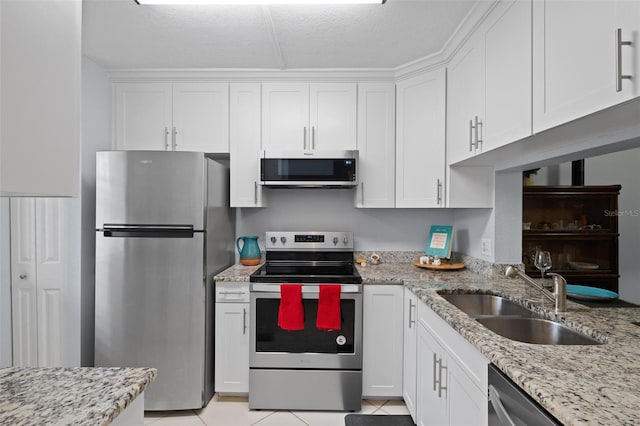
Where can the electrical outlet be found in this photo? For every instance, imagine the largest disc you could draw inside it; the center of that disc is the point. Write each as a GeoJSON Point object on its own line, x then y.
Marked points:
{"type": "Point", "coordinates": [486, 246]}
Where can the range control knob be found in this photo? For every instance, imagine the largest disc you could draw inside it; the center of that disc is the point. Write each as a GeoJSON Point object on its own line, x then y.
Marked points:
{"type": "Point", "coordinates": [345, 240]}
{"type": "Point", "coordinates": [335, 241]}
{"type": "Point", "coordinates": [273, 240]}
{"type": "Point", "coordinates": [283, 239]}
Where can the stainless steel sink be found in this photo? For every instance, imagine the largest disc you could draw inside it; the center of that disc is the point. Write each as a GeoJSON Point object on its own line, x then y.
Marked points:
{"type": "Point", "coordinates": [535, 330]}
{"type": "Point", "coordinates": [474, 304]}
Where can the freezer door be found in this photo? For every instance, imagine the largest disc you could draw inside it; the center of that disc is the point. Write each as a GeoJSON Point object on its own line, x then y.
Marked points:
{"type": "Point", "coordinates": [150, 188]}
{"type": "Point", "coordinates": [151, 310]}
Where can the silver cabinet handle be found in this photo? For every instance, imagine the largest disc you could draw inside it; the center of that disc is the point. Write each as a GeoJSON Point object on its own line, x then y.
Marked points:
{"type": "Point", "coordinates": [244, 320]}
{"type": "Point", "coordinates": [478, 132]}
{"type": "Point", "coordinates": [175, 138]}
{"type": "Point", "coordinates": [362, 193]}
{"type": "Point", "coordinates": [619, 75]}
{"type": "Point", "coordinates": [438, 191]}
{"type": "Point", "coordinates": [471, 127]}
{"type": "Point", "coordinates": [255, 192]}
{"type": "Point", "coordinates": [435, 381]}
{"type": "Point", "coordinates": [304, 137]}
{"type": "Point", "coordinates": [501, 412]}
{"type": "Point", "coordinates": [440, 387]}
{"type": "Point", "coordinates": [411, 308]}
{"type": "Point", "coordinates": [166, 138]}
{"type": "Point", "coordinates": [313, 137]}
{"type": "Point", "coordinates": [233, 292]}
{"type": "Point", "coordinates": [23, 276]}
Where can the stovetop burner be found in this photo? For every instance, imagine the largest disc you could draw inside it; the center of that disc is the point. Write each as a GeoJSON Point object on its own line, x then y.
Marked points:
{"type": "Point", "coordinates": [309, 257]}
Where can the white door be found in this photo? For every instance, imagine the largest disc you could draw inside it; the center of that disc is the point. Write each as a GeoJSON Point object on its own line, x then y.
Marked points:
{"type": "Point", "coordinates": [409, 375]}
{"type": "Point", "coordinates": [40, 280]}
{"type": "Point", "coordinates": [376, 145]}
{"type": "Point", "coordinates": [432, 400]}
{"type": "Point", "coordinates": [285, 117]}
{"type": "Point", "coordinates": [143, 116]}
{"type": "Point", "coordinates": [467, 403]}
{"type": "Point", "coordinates": [465, 99]}
{"type": "Point", "coordinates": [232, 348]}
{"type": "Point", "coordinates": [420, 142]}
{"type": "Point", "coordinates": [575, 56]}
{"type": "Point", "coordinates": [201, 117]}
{"type": "Point", "coordinates": [244, 136]}
{"type": "Point", "coordinates": [332, 116]}
{"type": "Point", "coordinates": [507, 47]}
{"type": "Point", "coordinates": [382, 341]}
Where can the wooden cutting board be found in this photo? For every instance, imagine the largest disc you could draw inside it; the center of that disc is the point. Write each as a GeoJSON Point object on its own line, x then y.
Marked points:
{"type": "Point", "coordinates": [441, 267]}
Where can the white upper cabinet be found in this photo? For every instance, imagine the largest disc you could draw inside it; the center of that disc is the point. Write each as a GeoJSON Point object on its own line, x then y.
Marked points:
{"type": "Point", "coordinates": [376, 145]}
{"type": "Point", "coordinates": [507, 74]}
{"type": "Point", "coordinates": [420, 140]}
{"type": "Point", "coordinates": [465, 98]}
{"type": "Point", "coordinates": [40, 64]}
{"type": "Point", "coordinates": [309, 117]}
{"type": "Point", "coordinates": [172, 117]}
{"type": "Point", "coordinates": [489, 84]}
{"type": "Point", "coordinates": [575, 58]}
{"type": "Point", "coordinates": [244, 150]}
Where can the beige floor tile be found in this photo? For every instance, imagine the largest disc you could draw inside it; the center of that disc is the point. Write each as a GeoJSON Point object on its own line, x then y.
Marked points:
{"type": "Point", "coordinates": [395, 407]}
{"type": "Point", "coordinates": [331, 418]}
{"type": "Point", "coordinates": [281, 418]}
{"type": "Point", "coordinates": [178, 418]}
{"type": "Point", "coordinates": [376, 402]}
{"type": "Point", "coordinates": [230, 413]}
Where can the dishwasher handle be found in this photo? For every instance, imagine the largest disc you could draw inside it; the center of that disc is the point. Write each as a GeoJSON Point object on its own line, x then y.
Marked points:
{"type": "Point", "coordinates": [501, 412]}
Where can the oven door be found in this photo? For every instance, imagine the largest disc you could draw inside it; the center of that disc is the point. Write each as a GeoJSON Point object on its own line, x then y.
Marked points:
{"type": "Point", "coordinates": [310, 348]}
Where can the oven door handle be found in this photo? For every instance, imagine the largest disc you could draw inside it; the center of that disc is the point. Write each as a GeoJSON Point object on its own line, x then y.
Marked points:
{"type": "Point", "coordinates": [314, 289]}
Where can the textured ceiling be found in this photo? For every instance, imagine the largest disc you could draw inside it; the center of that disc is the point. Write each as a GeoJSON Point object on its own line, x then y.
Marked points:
{"type": "Point", "coordinates": [122, 34]}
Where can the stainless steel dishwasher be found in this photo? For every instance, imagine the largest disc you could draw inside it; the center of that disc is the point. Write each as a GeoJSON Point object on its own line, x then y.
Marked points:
{"type": "Point", "coordinates": [511, 406]}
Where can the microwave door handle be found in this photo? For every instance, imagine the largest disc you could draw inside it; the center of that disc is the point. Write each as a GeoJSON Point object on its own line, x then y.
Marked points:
{"type": "Point", "coordinates": [501, 412]}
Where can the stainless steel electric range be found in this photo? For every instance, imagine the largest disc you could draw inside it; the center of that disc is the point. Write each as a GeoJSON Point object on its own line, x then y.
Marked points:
{"type": "Point", "coordinates": [309, 368]}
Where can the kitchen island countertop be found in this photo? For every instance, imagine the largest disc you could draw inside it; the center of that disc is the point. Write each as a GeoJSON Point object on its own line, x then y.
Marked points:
{"type": "Point", "coordinates": [576, 384]}
{"type": "Point", "coordinates": [68, 396]}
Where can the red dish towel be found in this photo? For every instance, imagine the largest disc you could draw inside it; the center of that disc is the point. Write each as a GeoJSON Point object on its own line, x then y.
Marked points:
{"type": "Point", "coordinates": [329, 308]}
{"type": "Point", "coordinates": [291, 312]}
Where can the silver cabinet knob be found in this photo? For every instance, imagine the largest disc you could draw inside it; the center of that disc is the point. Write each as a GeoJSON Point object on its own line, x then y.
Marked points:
{"type": "Point", "coordinates": [23, 276]}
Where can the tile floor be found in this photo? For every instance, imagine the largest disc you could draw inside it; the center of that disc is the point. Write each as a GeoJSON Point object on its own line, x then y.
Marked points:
{"type": "Point", "coordinates": [234, 411]}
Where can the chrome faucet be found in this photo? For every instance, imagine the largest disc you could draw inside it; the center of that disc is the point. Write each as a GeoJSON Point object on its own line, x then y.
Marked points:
{"type": "Point", "coordinates": [559, 295]}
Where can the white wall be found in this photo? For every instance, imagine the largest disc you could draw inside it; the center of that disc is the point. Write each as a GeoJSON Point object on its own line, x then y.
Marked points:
{"type": "Point", "coordinates": [332, 210]}
{"type": "Point", "coordinates": [622, 168]}
{"type": "Point", "coordinates": [96, 136]}
{"type": "Point", "coordinates": [5, 285]}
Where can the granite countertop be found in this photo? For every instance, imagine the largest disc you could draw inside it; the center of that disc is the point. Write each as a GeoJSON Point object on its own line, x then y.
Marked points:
{"type": "Point", "coordinates": [595, 384]}
{"type": "Point", "coordinates": [68, 396]}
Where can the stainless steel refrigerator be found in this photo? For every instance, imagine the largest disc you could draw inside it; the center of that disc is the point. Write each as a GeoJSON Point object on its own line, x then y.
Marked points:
{"type": "Point", "coordinates": [164, 229]}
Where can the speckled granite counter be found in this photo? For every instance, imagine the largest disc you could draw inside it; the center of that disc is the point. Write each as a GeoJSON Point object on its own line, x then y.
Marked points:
{"type": "Point", "coordinates": [577, 384]}
{"type": "Point", "coordinates": [68, 396]}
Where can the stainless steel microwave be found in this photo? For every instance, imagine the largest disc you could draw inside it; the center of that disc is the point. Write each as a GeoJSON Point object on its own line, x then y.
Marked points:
{"type": "Point", "coordinates": [328, 169]}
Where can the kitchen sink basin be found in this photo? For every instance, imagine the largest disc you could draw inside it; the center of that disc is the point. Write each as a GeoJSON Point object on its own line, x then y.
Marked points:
{"type": "Point", "coordinates": [535, 330]}
{"type": "Point", "coordinates": [486, 304]}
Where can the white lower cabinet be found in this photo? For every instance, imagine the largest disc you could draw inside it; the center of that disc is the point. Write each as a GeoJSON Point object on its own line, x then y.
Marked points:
{"type": "Point", "coordinates": [382, 341]}
{"type": "Point", "coordinates": [232, 338]}
{"type": "Point", "coordinates": [451, 375]}
{"type": "Point", "coordinates": [409, 376]}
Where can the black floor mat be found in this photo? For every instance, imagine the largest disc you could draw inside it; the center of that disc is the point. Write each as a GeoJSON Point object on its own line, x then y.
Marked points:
{"type": "Point", "coordinates": [373, 420]}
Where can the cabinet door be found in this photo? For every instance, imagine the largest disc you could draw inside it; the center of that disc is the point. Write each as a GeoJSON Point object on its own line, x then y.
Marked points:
{"type": "Point", "coordinates": [143, 116]}
{"type": "Point", "coordinates": [201, 117]}
{"type": "Point", "coordinates": [244, 136]}
{"type": "Point", "coordinates": [432, 408]}
{"type": "Point", "coordinates": [420, 142]}
{"type": "Point", "coordinates": [382, 341]}
{"type": "Point", "coordinates": [332, 116]}
{"type": "Point", "coordinates": [574, 58]}
{"type": "Point", "coordinates": [409, 378]}
{"type": "Point", "coordinates": [285, 117]}
{"type": "Point", "coordinates": [507, 48]}
{"type": "Point", "coordinates": [376, 145]}
{"type": "Point", "coordinates": [465, 98]}
{"type": "Point", "coordinates": [232, 347]}
{"type": "Point", "coordinates": [468, 404]}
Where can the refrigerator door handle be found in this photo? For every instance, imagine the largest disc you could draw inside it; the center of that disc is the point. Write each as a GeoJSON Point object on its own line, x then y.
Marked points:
{"type": "Point", "coordinates": [119, 227]}
{"type": "Point", "coordinates": [148, 232]}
